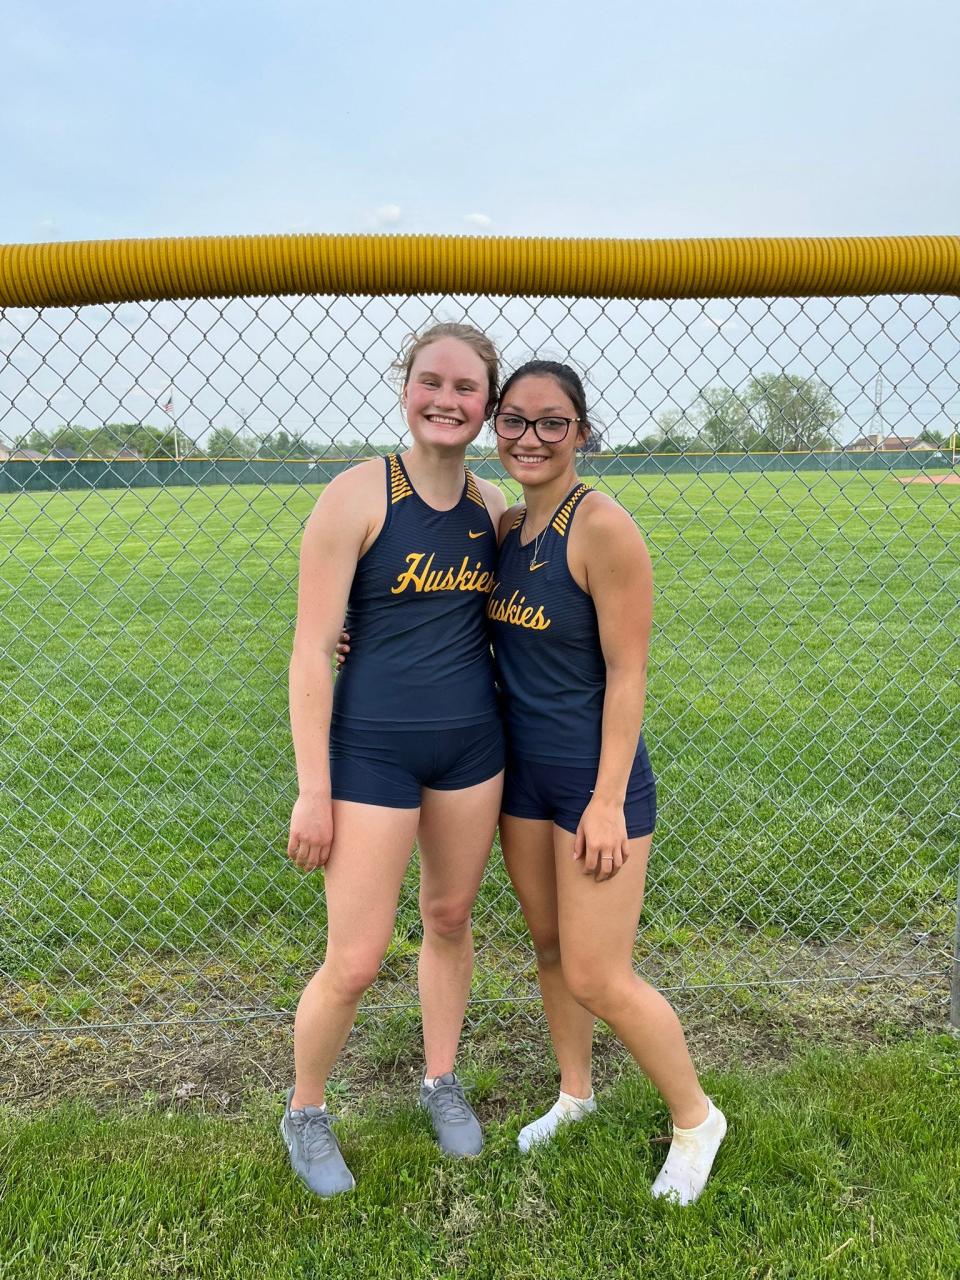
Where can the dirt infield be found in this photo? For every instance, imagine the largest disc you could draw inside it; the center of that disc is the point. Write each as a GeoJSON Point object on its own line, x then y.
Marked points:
{"type": "Point", "coordinates": [952, 478]}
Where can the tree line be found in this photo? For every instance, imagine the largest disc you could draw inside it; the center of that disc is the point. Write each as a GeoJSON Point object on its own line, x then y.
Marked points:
{"type": "Point", "coordinates": [772, 413]}
{"type": "Point", "coordinates": [140, 438]}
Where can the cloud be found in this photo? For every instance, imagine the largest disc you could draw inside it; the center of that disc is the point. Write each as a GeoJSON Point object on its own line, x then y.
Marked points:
{"type": "Point", "coordinates": [477, 219]}
{"type": "Point", "coordinates": [388, 215]}
{"type": "Point", "coordinates": [708, 326]}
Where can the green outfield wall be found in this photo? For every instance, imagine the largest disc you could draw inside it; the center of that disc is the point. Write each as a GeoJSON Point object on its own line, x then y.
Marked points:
{"type": "Point", "coordinates": [93, 473]}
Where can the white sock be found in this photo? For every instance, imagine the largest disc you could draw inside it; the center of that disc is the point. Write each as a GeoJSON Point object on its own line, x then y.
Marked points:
{"type": "Point", "coordinates": [690, 1158]}
{"type": "Point", "coordinates": [566, 1109]}
{"type": "Point", "coordinates": [430, 1082]}
{"type": "Point", "coordinates": [313, 1106]}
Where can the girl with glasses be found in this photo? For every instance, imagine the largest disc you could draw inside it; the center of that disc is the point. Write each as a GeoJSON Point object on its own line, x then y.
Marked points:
{"type": "Point", "coordinates": [570, 615]}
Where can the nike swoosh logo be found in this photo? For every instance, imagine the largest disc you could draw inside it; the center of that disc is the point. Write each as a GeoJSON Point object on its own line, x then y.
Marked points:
{"type": "Point", "coordinates": [534, 567]}
{"type": "Point", "coordinates": [477, 535]}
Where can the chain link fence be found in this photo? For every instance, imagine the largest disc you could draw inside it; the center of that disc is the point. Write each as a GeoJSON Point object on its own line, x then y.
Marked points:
{"type": "Point", "coordinates": [160, 461]}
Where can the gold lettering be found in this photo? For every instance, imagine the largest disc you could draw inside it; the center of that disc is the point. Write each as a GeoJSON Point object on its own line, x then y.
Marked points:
{"type": "Point", "coordinates": [516, 611]}
{"type": "Point", "coordinates": [410, 577]}
{"type": "Point", "coordinates": [421, 576]}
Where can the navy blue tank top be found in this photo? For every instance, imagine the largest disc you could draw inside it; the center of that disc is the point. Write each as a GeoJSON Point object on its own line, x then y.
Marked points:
{"type": "Point", "coordinates": [419, 649]}
{"type": "Point", "coordinates": [549, 663]}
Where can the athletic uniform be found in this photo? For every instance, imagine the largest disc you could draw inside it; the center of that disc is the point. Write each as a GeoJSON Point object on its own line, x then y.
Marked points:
{"type": "Point", "coordinates": [415, 706]}
{"type": "Point", "coordinates": [552, 676]}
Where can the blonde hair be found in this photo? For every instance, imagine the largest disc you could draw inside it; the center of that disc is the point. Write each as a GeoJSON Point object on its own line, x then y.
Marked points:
{"type": "Point", "coordinates": [414, 343]}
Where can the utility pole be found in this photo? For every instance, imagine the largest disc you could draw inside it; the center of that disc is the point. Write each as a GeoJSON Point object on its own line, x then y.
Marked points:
{"type": "Point", "coordinates": [876, 421]}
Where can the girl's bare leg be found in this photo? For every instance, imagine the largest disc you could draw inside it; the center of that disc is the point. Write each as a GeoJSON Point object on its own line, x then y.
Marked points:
{"type": "Point", "coordinates": [371, 850]}
{"type": "Point", "coordinates": [598, 926]}
{"type": "Point", "coordinates": [528, 851]}
{"type": "Point", "coordinates": [455, 836]}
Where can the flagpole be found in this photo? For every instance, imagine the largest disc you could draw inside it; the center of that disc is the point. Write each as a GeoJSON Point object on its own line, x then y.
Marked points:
{"type": "Point", "coordinates": [168, 408]}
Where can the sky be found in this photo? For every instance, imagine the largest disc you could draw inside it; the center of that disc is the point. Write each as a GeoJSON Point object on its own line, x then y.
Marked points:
{"type": "Point", "coordinates": [164, 118]}
{"type": "Point", "coordinates": [825, 117]}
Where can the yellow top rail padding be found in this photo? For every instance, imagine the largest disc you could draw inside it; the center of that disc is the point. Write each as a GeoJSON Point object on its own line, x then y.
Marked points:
{"type": "Point", "coordinates": [98, 271]}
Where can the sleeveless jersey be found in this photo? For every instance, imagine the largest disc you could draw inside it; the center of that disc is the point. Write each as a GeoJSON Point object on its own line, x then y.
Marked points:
{"type": "Point", "coordinates": [546, 641]}
{"type": "Point", "coordinates": [419, 649]}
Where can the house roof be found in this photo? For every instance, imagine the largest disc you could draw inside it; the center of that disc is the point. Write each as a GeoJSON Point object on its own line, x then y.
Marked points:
{"type": "Point", "coordinates": [889, 443]}
{"type": "Point", "coordinates": [20, 455]}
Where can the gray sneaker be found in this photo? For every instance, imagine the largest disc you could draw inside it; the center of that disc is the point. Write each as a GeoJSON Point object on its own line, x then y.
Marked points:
{"type": "Point", "coordinates": [457, 1128]}
{"type": "Point", "coordinates": [314, 1151]}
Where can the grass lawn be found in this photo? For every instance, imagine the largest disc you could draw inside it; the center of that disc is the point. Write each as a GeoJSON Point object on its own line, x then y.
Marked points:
{"type": "Point", "coordinates": [802, 719]}
{"type": "Point", "coordinates": [840, 1165]}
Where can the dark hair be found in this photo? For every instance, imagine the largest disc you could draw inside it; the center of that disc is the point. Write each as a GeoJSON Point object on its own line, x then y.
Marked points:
{"type": "Point", "coordinates": [570, 383]}
{"type": "Point", "coordinates": [466, 333]}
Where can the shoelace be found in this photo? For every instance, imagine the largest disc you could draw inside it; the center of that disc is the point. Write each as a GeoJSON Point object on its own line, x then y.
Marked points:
{"type": "Point", "coordinates": [450, 1102]}
{"type": "Point", "coordinates": [315, 1132]}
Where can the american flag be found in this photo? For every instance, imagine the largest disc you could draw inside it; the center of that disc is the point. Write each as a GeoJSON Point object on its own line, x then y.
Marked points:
{"type": "Point", "coordinates": [168, 407]}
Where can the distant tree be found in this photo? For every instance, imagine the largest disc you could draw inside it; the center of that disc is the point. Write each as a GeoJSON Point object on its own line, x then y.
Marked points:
{"type": "Point", "coordinates": [152, 442]}
{"type": "Point", "coordinates": [224, 443]}
{"type": "Point", "coordinates": [280, 444]}
{"type": "Point", "coordinates": [349, 449]}
{"type": "Point", "coordinates": [276, 445]}
{"type": "Point", "coordinates": [108, 440]}
{"type": "Point", "coordinates": [790, 412]}
{"type": "Point", "coordinates": [675, 435]}
{"type": "Point", "coordinates": [62, 437]}
{"type": "Point", "coordinates": [722, 420]}
{"type": "Point", "coordinates": [304, 448]}
{"type": "Point", "coordinates": [930, 435]}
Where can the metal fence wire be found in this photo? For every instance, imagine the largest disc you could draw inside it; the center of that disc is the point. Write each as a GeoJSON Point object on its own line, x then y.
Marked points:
{"type": "Point", "coordinates": [803, 699]}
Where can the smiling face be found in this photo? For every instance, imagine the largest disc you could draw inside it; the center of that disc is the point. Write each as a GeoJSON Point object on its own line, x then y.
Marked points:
{"type": "Point", "coordinates": [445, 396]}
{"type": "Point", "coordinates": [528, 459]}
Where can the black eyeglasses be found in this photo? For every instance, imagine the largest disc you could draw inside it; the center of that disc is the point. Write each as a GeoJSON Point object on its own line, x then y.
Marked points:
{"type": "Point", "coordinates": [511, 426]}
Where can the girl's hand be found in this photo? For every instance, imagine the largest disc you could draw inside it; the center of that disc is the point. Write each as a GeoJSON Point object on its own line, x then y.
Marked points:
{"type": "Point", "coordinates": [311, 832]}
{"type": "Point", "coordinates": [343, 648]}
{"type": "Point", "coordinates": [601, 839]}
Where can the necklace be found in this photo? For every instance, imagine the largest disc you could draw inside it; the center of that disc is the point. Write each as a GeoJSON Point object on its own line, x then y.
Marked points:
{"type": "Point", "coordinates": [536, 545]}
{"type": "Point", "coordinates": [534, 564]}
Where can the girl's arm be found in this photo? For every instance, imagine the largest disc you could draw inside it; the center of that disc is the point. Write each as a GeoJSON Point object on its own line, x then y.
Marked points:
{"type": "Point", "coordinates": [506, 520]}
{"type": "Point", "coordinates": [332, 542]}
{"type": "Point", "coordinates": [493, 497]}
{"type": "Point", "coordinates": [619, 577]}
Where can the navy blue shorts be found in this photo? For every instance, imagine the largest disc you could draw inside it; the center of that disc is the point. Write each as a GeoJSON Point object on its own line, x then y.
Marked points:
{"type": "Point", "coordinates": [560, 792]}
{"type": "Point", "coordinates": [388, 766]}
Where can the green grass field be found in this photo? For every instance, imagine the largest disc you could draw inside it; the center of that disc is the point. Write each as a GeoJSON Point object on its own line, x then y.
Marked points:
{"type": "Point", "coordinates": [842, 1165]}
{"type": "Point", "coordinates": [803, 711]}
